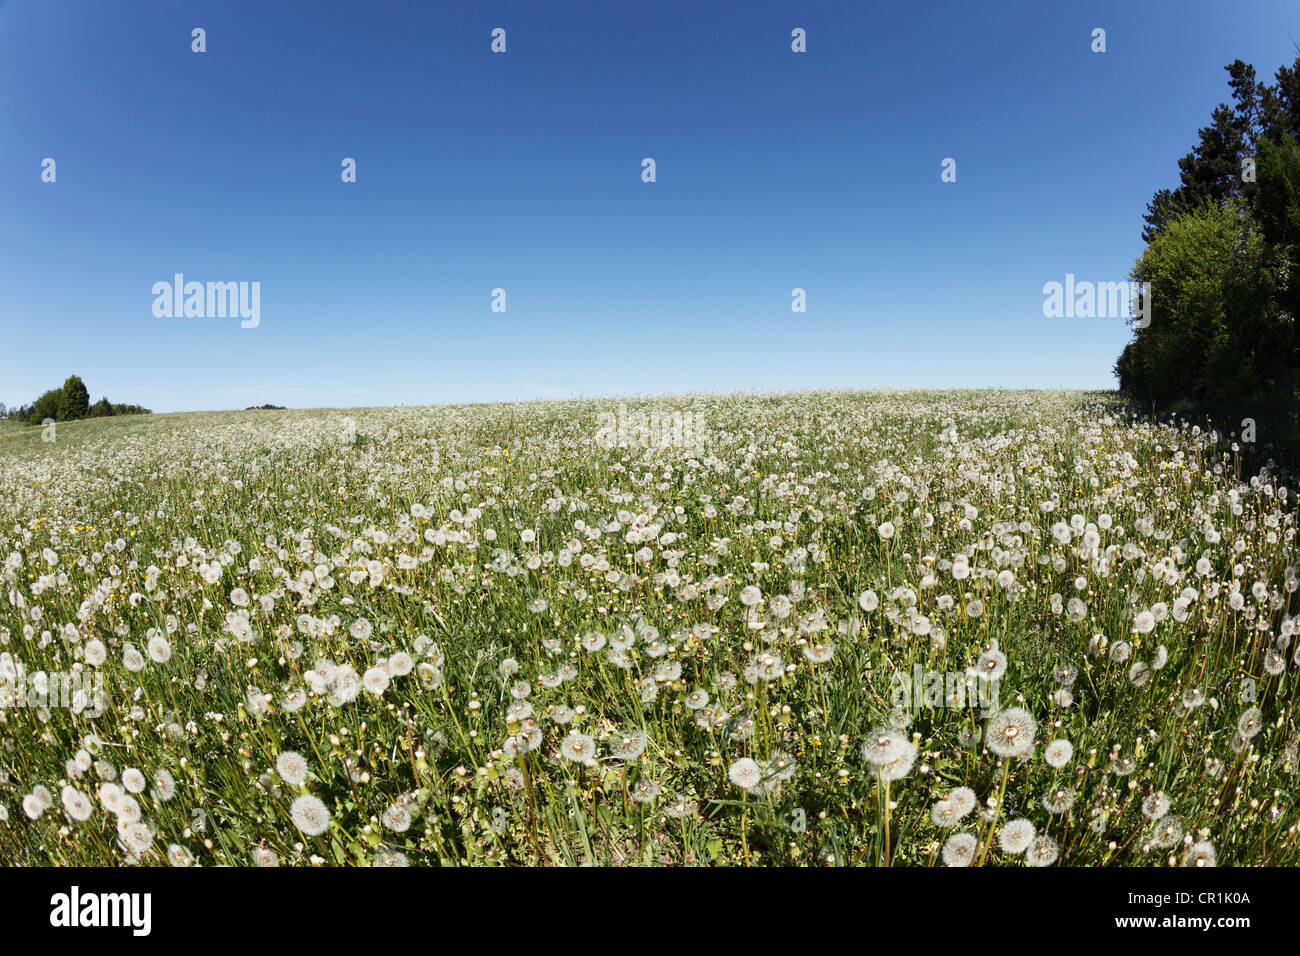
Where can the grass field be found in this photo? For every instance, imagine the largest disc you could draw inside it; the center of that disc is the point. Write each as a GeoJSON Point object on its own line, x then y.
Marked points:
{"type": "Point", "coordinates": [478, 635]}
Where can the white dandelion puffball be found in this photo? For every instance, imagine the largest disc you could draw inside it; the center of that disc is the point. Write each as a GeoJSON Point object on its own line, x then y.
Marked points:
{"type": "Point", "coordinates": [1058, 753]}
{"type": "Point", "coordinates": [1042, 851]}
{"type": "Point", "coordinates": [1010, 732]}
{"type": "Point", "coordinates": [310, 815]}
{"type": "Point", "coordinates": [745, 773]}
{"type": "Point", "coordinates": [1016, 835]}
{"type": "Point", "coordinates": [292, 767]}
{"type": "Point", "coordinates": [133, 780]}
{"type": "Point", "coordinates": [160, 651]}
{"type": "Point", "coordinates": [578, 747]}
{"type": "Point", "coordinates": [375, 680]}
{"type": "Point", "coordinates": [960, 849]}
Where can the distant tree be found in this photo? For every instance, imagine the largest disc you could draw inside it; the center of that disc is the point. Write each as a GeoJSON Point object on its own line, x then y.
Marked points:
{"type": "Point", "coordinates": [69, 403]}
{"type": "Point", "coordinates": [47, 406]}
{"type": "Point", "coordinates": [74, 400]}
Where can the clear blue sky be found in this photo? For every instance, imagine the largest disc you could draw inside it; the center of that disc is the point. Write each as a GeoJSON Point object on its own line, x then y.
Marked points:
{"type": "Point", "coordinates": [523, 171]}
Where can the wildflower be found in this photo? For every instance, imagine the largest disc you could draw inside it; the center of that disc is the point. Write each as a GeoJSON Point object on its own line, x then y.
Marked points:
{"type": "Point", "coordinates": [1016, 836]}
{"type": "Point", "coordinates": [579, 748]}
{"type": "Point", "coordinates": [292, 767]}
{"type": "Point", "coordinates": [1125, 765]}
{"type": "Point", "coordinates": [1058, 753]}
{"type": "Point", "coordinates": [1155, 806]}
{"type": "Point", "coordinates": [1042, 851]}
{"type": "Point", "coordinates": [819, 653]}
{"type": "Point", "coordinates": [991, 665]}
{"type": "Point", "coordinates": [944, 814]}
{"type": "Point", "coordinates": [959, 850]}
{"type": "Point", "coordinates": [1010, 733]}
{"type": "Point", "coordinates": [375, 680]}
{"type": "Point", "coordinates": [164, 785]}
{"type": "Point", "coordinates": [884, 747]}
{"type": "Point", "coordinates": [396, 818]}
{"type": "Point", "coordinates": [310, 815]}
{"type": "Point", "coordinates": [1167, 833]}
{"type": "Point", "coordinates": [1201, 854]}
{"type": "Point", "coordinates": [132, 659]}
{"type": "Point", "coordinates": [160, 651]}
{"type": "Point", "coordinates": [645, 791]}
{"type": "Point", "coordinates": [628, 747]}
{"type": "Point", "coordinates": [697, 699]}
{"type": "Point", "coordinates": [264, 857]}
{"type": "Point", "coordinates": [1058, 801]}
{"type": "Point", "coordinates": [385, 856]}
{"type": "Point", "coordinates": [76, 803]}
{"type": "Point", "coordinates": [745, 773]}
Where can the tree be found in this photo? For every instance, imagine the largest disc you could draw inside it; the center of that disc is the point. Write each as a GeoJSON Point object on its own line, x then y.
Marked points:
{"type": "Point", "coordinates": [1223, 259]}
{"type": "Point", "coordinates": [1212, 171]}
{"type": "Point", "coordinates": [69, 403]}
{"type": "Point", "coordinates": [47, 406]}
{"type": "Point", "coordinates": [74, 400]}
{"type": "Point", "coordinates": [1279, 222]}
{"type": "Point", "coordinates": [1214, 334]}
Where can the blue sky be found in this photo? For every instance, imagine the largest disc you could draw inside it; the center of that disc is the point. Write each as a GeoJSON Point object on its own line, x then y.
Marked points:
{"type": "Point", "coordinates": [522, 171]}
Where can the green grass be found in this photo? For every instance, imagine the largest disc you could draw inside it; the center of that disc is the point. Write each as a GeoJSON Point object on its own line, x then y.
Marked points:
{"type": "Point", "coordinates": [325, 518]}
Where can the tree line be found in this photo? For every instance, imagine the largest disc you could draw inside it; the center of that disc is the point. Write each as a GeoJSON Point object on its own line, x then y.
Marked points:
{"type": "Point", "coordinates": [1223, 261]}
{"type": "Point", "coordinates": [68, 403]}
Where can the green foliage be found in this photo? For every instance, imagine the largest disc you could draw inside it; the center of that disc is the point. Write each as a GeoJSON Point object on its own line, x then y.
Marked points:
{"type": "Point", "coordinates": [1174, 587]}
{"type": "Point", "coordinates": [1209, 336]}
{"type": "Point", "coordinates": [47, 406]}
{"type": "Point", "coordinates": [71, 402]}
{"type": "Point", "coordinates": [1223, 260]}
{"type": "Point", "coordinates": [1279, 221]}
{"type": "Point", "coordinates": [74, 399]}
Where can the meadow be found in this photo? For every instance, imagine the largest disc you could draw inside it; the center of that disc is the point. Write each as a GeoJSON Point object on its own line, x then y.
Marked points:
{"type": "Point", "coordinates": [478, 635]}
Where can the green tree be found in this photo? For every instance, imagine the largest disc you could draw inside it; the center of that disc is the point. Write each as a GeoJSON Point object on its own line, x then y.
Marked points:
{"type": "Point", "coordinates": [1214, 334]}
{"type": "Point", "coordinates": [47, 406]}
{"type": "Point", "coordinates": [1212, 171]}
{"type": "Point", "coordinates": [1278, 206]}
{"type": "Point", "coordinates": [74, 400]}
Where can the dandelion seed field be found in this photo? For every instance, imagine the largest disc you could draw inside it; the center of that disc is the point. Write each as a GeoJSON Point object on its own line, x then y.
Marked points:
{"type": "Point", "coordinates": [475, 635]}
